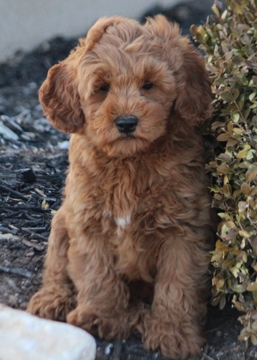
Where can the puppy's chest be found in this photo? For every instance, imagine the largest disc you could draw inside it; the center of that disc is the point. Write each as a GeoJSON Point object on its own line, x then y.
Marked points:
{"type": "Point", "coordinates": [122, 193]}
{"type": "Point", "coordinates": [131, 216]}
{"type": "Point", "coordinates": [119, 210]}
{"type": "Point", "coordinates": [125, 225]}
{"type": "Point", "coordinates": [124, 201]}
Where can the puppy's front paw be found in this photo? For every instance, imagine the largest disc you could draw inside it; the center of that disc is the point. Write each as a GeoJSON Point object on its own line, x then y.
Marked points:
{"type": "Point", "coordinates": [51, 303]}
{"type": "Point", "coordinates": [171, 339]}
{"type": "Point", "coordinates": [107, 327]}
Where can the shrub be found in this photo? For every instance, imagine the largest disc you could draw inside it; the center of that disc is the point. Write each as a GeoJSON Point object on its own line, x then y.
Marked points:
{"type": "Point", "coordinates": [230, 44]}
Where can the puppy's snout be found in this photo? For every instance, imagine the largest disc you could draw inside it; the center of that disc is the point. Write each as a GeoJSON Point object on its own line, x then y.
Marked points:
{"type": "Point", "coordinates": [126, 124]}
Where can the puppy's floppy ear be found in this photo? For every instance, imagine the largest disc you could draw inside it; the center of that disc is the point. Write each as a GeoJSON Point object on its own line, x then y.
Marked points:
{"type": "Point", "coordinates": [194, 98]}
{"type": "Point", "coordinates": [59, 94]}
{"type": "Point", "coordinates": [98, 29]}
{"type": "Point", "coordinates": [60, 99]}
{"type": "Point", "coordinates": [193, 102]}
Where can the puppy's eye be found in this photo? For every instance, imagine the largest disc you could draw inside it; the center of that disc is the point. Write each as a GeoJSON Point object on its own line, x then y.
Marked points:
{"type": "Point", "coordinates": [147, 86]}
{"type": "Point", "coordinates": [105, 88]}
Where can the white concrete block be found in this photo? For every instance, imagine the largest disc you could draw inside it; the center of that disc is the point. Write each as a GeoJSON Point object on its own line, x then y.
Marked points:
{"type": "Point", "coordinates": [27, 337]}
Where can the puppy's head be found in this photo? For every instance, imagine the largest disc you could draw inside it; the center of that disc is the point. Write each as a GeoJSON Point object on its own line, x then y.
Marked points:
{"type": "Point", "coordinates": [119, 86]}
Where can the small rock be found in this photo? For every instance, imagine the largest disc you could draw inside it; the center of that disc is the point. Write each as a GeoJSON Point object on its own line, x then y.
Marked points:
{"type": "Point", "coordinates": [64, 145]}
{"type": "Point", "coordinates": [7, 133]}
{"type": "Point", "coordinates": [108, 349]}
{"type": "Point", "coordinates": [27, 337]}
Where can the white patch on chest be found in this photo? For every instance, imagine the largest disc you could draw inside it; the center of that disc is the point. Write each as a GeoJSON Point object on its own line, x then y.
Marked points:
{"type": "Point", "coordinates": [122, 223]}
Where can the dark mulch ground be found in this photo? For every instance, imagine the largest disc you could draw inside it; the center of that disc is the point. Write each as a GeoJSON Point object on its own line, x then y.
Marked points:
{"type": "Point", "coordinates": [32, 174]}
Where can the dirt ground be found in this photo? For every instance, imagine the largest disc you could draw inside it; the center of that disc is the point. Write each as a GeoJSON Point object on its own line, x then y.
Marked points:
{"type": "Point", "coordinates": [32, 173]}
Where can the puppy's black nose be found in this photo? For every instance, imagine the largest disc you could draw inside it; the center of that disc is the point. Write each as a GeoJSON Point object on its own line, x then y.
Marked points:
{"type": "Point", "coordinates": [126, 124]}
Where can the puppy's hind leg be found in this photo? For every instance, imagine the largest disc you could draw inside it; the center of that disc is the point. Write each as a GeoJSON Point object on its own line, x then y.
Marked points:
{"type": "Point", "coordinates": [57, 296]}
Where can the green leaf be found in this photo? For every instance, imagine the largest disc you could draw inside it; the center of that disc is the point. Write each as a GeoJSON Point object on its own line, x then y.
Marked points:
{"type": "Point", "coordinates": [243, 153]}
{"type": "Point", "coordinates": [215, 10]}
{"type": "Point", "coordinates": [235, 117]}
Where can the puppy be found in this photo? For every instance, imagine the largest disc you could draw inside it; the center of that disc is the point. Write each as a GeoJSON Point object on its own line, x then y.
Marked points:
{"type": "Point", "coordinates": [129, 247]}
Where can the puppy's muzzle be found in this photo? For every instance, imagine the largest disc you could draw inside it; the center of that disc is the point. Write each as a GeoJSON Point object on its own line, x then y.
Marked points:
{"type": "Point", "coordinates": [126, 124]}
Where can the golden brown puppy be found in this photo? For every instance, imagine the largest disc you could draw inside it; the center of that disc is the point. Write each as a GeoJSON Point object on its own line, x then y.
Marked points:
{"type": "Point", "coordinates": [129, 246]}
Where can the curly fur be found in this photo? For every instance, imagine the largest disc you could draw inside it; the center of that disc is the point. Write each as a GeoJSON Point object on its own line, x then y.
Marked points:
{"type": "Point", "coordinates": [129, 246]}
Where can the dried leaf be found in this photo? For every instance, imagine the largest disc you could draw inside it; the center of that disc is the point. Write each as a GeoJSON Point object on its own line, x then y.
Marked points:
{"type": "Point", "coordinates": [223, 137]}
{"type": "Point", "coordinates": [245, 188]}
{"type": "Point", "coordinates": [251, 174]}
{"type": "Point", "coordinates": [252, 287]}
{"type": "Point", "coordinates": [44, 205]}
